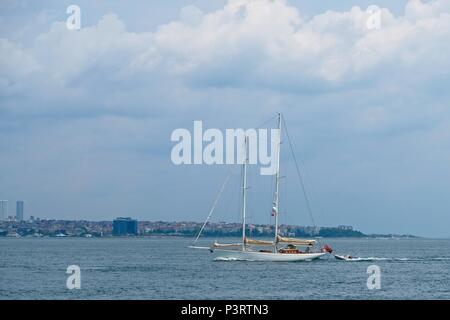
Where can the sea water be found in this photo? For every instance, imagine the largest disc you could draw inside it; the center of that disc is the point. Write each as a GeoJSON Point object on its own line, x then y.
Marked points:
{"type": "Point", "coordinates": [165, 268]}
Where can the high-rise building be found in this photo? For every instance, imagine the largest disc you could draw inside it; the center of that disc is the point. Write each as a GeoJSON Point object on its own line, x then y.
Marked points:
{"type": "Point", "coordinates": [3, 209]}
{"type": "Point", "coordinates": [125, 226]}
{"type": "Point", "coordinates": [19, 210]}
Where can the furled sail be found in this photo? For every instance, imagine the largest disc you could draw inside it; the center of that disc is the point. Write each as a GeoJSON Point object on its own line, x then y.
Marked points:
{"type": "Point", "coordinates": [258, 242]}
{"type": "Point", "coordinates": [219, 245]}
{"type": "Point", "coordinates": [304, 242]}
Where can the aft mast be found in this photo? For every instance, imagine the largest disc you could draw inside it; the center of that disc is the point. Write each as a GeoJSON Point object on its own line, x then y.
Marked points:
{"type": "Point", "coordinates": [276, 204]}
{"type": "Point", "coordinates": [244, 192]}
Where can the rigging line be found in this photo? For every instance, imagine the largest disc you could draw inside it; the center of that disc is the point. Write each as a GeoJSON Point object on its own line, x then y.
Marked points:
{"type": "Point", "coordinates": [272, 185]}
{"type": "Point", "coordinates": [285, 193]}
{"type": "Point", "coordinates": [308, 205]}
{"type": "Point", "coordinates": [259, 127]}
{"type": "Point", "coordinates": [229, 200]}
{"type": "Point", "coordinates": [265, 122]}
{"type": "Point", "coordinates": [239, 195]}
{"type": "Point", "coordinates": [222, 189]}
{"type": "Point", "coordinates": [214, 205]}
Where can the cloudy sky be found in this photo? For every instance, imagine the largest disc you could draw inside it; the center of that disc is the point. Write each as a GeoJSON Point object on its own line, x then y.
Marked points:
{"type": "Point", "coordinates": [86, 116]}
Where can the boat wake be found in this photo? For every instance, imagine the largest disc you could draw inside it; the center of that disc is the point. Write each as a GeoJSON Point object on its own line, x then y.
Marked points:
{"type": "Point", "coordinates": [225, 259]}
{"type": "Point", "coordinates": [362, 259]}
{"type": "Point", "coordinates": [356, 259]}
{"type": "Point", "coordinates": [372, 259]}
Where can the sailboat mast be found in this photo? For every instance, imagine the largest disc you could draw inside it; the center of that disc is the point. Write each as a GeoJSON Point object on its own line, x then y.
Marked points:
{"type": "Point", "coordinates": [244, 193]}
{"type": "Point", "coordinates": [277, 181]}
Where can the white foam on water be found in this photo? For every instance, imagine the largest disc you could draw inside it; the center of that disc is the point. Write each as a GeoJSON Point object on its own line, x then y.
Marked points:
{"type": "Point", "coordinates": [366, 259]}
{"type": "Point", "coordinates": [225, 259]}
{"type": "Point", "coordinates": [355, 259]}
{"type": "Point", "coordinates": [377, 259]}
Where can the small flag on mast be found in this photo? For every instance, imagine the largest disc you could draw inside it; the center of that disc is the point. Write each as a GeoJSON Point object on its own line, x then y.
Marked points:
{"type": "Point", "coordinates": [274, 211]}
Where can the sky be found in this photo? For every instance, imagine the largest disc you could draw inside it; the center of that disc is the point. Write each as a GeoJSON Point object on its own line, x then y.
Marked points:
{"type": "Point", "coordinates": [86, 115]}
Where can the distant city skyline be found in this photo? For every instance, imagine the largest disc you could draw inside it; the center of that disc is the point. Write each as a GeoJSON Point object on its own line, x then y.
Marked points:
{"type": "Point", "coordinates": [86, 115]}
{"type": "Point", "coordinates": [132, 227]}
{"type": "Point", "coordinates": [4, 210]}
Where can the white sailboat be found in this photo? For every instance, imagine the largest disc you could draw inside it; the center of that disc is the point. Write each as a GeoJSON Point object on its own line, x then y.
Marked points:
{"type": "Point", "coordinates": [281, 248]}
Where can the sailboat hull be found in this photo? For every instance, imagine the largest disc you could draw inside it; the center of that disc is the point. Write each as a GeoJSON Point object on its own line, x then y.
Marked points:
{"type": "Point", "coordinates": [235, 255]}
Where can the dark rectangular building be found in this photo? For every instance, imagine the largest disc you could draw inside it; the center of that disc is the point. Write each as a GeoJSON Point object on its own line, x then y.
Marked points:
{"type": "Point", "coordinates": [19, 210]}
{"type": "Point", "coordinates": [125, 227]}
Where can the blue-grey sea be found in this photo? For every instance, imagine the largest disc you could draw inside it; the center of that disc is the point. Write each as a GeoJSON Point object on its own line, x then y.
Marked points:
{"type": "Point", "coordinates": [164, 268]}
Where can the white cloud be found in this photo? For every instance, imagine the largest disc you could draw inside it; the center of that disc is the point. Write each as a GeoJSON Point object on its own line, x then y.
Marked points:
{"type": "Point", "coordinates": [261, 43]}
{"type": "Point", "coordinates": [68, 54]}
{"type": "Point", "coordinates": [191, 15]}
{"type": "Point", "coordinates": [15, 66]}
{"type": "Point", "coordinates": [417, 10]}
